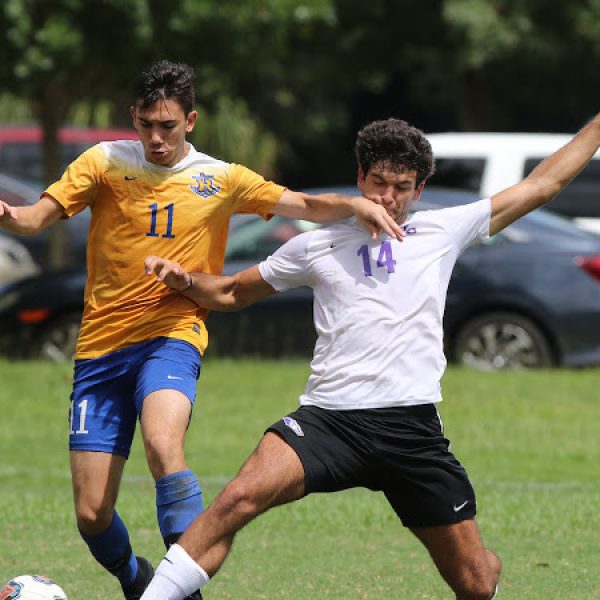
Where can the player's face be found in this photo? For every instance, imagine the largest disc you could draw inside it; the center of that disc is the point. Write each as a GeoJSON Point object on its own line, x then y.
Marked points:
{"type": "Point", "coordinates": [162, 128]}
{"type": "Point", "coordinates": [396, 192]}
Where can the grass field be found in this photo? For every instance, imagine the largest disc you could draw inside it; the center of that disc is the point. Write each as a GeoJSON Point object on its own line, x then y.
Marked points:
{"type": "Point", "coordinates": [529, 441]}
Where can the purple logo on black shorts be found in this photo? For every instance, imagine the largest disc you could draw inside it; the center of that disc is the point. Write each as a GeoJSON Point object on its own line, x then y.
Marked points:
{"type": "Point", "coordinates": [293, 425]}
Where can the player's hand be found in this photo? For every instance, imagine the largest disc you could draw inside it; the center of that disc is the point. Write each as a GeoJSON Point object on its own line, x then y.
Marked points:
{"type": "Point", "coordinates": [7, 212]}
{"type": "Point", "coordinates": [375, 218]}
{"type": "Point", "coordinates": [172, 274]}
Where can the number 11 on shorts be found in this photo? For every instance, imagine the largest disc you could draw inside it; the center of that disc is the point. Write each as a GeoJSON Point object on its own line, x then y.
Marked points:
{"type": "Point", "coordinates": [82, 414]}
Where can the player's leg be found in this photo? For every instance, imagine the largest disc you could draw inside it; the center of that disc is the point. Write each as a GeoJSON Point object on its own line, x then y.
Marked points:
{"type": "Point", "coordinates": [430, 491]}
{"type": "Point", "coordinates": [273, 475]}
{"type": "Point", "coordinates": [96, 477]}
{"type": "Point", "coordinates": [470, 569]}
{"type": "Point", "coordinates": [165, 394]}
{"type": "Point", "coordinates": [164, 423]}
{"type": "Point", "coordinates": [103, 419]}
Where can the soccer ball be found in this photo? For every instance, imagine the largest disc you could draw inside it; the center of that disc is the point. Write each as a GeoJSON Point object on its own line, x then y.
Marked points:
{"type": "Point", "coordinates": [32, 587]}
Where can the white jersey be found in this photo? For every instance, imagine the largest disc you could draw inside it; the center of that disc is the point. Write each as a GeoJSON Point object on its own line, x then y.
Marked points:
{"type": "Point", "coordinates": [378, 305]}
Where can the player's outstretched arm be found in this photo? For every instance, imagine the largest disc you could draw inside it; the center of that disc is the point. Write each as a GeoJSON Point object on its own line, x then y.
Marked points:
{"type": "Point", "coordinates": [550, 177]}
{"type": "Point", "coordinates": [215, 292]}
{"type": "Point", "coordinates": [30, 220]}
{"type": "Point", "coordinates": [324, 208]}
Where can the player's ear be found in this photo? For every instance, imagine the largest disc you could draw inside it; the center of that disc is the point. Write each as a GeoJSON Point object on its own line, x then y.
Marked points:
{"type": "Point", "coordinates": [361, 176]}
{"type": "Point", "coordinates": [133, 112]}
{"type": "Point", "coordinates": [191, 120]}
{"type": "Point", "coordinates": [418, 191]}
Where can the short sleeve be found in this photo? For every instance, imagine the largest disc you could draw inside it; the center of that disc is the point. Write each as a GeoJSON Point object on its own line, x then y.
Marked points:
{"type": "Point", "coordinates": [252, 193]}
{"type": "Point", "coordinates": [468, 223]}
{"type": "Point", "coordinates": [288, 267]}
{"type": "Point", "coordinates": [77, 188]}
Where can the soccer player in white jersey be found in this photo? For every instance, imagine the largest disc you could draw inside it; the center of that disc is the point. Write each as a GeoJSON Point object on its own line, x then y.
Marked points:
{"type": "Point", "coordinates": [368, 416]}
{"type": "Point", "coordinates": [140, 343]}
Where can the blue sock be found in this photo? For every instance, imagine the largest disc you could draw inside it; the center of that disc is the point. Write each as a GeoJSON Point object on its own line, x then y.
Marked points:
{"type": "Point", "coordinates": [112, 550]}
{"type": "Point", "coordinates": [178, 503]}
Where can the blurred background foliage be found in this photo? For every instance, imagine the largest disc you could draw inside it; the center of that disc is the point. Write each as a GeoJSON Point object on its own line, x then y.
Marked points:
{"type": "Point", "coordinates": [283, 85]}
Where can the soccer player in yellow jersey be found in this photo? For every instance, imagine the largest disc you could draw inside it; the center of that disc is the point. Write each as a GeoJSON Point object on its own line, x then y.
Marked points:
{"type": "Point", "coordinates": [140, 343]}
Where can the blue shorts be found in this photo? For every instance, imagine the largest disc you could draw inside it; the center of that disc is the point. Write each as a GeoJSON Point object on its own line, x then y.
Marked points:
{"type": "Point", "coordinates": [108, 392]}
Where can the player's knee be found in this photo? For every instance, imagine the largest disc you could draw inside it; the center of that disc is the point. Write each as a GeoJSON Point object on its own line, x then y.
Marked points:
{"type": "Point", "coordinates": [163, 457]}
{"type": "Point", "coordinates": [239, 499]}
{"type": "Point", "coordinates": [93, 518]}
{"type": "Point", "coordinates": [494, 563]}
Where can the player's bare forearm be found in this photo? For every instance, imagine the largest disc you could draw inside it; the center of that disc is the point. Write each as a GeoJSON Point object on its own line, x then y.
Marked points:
{"type": "Point", "coordinates": [324, 208]}
{"type": "Point", "coordinates": [216, 292]}
{"type": "Point", "coordinates": [547, 180]}
{"type": "Point", "coordinates": [228, 293]}
{"type": "Point", "coordinates": [30, 220]}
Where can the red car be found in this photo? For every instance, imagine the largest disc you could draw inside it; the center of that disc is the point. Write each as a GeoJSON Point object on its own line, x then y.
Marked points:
{"type": "Point", "coordinates": [21, 147]}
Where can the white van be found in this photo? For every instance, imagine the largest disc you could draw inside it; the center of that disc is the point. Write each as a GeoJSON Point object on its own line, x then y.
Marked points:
{"type": "Point", "coordinates": [486, 163]}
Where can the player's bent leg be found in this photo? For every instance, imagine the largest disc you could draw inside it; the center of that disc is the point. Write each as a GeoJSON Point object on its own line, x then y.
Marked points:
{"type": "Point", "coordinates": [165, 393]}
{"type": "Point", "coordinates": [470, 569]}
{"type": "Point", "coordinates": [164, 420]}
{"type": "Point", "coordinates": [96, 479]}
{"type": "Point", "coordinates": [165, 417]}
{"type": "Point", "coordinates": [273, 475]}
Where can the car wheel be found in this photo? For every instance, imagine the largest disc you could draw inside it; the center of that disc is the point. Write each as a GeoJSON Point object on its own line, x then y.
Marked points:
{"type": "Point", "coordinates": [502, 340]}
{"type": "Point", "coordinates": [58, 339]}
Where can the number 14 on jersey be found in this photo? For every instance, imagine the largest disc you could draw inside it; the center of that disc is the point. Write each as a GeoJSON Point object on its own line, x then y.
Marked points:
{"type": "Point", "coordinates": [385, 258]}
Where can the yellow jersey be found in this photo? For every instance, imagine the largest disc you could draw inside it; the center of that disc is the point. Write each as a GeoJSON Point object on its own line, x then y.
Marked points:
{"type": "Point", "coordinates": [139, 209]}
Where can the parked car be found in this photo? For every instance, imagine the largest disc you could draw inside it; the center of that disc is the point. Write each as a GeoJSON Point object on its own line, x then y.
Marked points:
{"type": "Point", "coordinates": [486, 163]}
{"type": "Point", "coordinates": [529, 297]}
{"type": "Point", "coordinates": [15, 260]}
{"type": "Point", "coordinates": [40, 315]}
{"type": "Point", "coordinates": [21, 193]}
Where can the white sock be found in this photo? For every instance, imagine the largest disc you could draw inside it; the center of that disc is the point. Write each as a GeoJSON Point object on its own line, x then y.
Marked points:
{"type": "Point", "coordinates": [494, 595]}
{"type": "Point", "coordinates": [177, 577]}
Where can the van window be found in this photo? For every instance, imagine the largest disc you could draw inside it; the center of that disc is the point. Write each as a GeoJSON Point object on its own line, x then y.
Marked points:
{"type": "Point", "coordinates": [463, 173]}
{"type": "Point", "coordinates": [581, 198]}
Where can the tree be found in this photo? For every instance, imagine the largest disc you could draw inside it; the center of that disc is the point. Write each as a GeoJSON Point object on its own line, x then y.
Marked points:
{"type": "Point", "coordinates": [57, 53]}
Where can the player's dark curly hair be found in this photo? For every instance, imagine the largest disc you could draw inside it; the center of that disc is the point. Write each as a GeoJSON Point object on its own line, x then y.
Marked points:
{"type": "Point", "coordinates": [396, 146]}
{"type": "Point", "coordinates": [165, 80]}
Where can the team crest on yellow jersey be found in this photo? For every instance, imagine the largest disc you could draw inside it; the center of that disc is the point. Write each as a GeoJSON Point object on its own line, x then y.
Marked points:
{"type": "Point", "coordinates": [205, 186]}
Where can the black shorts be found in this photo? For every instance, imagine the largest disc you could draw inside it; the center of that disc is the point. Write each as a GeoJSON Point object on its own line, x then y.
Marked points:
{"type": "Point", "coordinates": [399, 451]}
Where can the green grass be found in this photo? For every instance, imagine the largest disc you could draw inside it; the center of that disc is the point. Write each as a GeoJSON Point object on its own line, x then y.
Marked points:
{"type": "Point", "coordinates": [529, 441]}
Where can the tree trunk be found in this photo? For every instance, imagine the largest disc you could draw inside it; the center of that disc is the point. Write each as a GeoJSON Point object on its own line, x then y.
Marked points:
{"type": "Point", "coordinates": [51, 109]}
{"type": "Point", "coordinates": [478, 109]}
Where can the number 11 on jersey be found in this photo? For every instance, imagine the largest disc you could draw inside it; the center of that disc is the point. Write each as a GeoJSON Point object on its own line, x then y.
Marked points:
{"type": "Point", "coordinates": [154, 218]}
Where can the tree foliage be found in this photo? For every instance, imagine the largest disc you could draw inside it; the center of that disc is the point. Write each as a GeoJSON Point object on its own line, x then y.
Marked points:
{"type": "Point", "coordinates": [308, 73]}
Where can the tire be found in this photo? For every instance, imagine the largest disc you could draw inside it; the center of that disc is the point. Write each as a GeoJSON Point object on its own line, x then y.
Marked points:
{"type": "Point", "coordinates": [502, 340]}
{"type": "Point", "coordinates": [58, 339]}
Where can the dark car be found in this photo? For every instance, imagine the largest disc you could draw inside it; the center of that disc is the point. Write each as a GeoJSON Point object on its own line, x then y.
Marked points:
{"type": "Point", "coordinates": [528, 297]}
{"type": "Point", "coordinates": [17, 192]}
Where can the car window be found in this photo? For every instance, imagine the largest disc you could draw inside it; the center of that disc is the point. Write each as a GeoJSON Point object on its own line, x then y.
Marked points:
{"type": "Point", "coordinates": [581, 198]}
{"type": "Point", "coordinates": [464, 173]}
